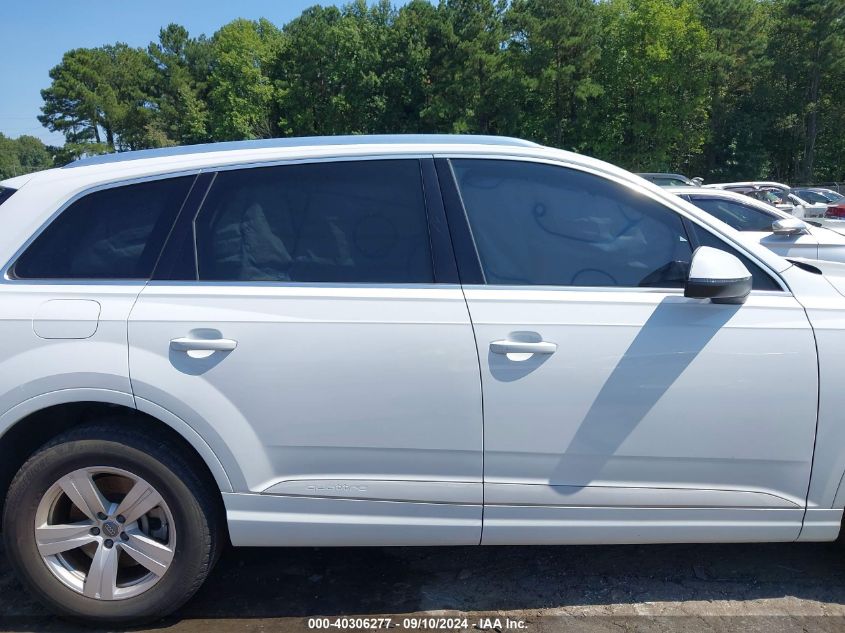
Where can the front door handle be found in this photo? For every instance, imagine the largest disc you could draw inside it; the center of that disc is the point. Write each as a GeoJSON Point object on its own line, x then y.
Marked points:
{"type": "Point", "coordinates": [188, 344]}
{"type": "Point", "coordinates": [523, 347]}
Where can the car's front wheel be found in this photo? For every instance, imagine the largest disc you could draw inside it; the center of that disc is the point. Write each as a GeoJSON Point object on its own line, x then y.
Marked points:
{"type": "Point", "coordinates": [112, 525]}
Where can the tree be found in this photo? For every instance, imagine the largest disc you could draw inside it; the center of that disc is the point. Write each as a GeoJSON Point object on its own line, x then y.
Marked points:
{"type": "Point", "coordinates": [22, 155]}
{"type": "Point", "coordinates": [99, 97]}
{"type": "Point", "coordinates": [406, 78]}
{"type": "Point", "coordinates": [552, 56]}
{"type": "Point", "coordinates": [241, 92]}
{"type": "Point", "coordinates": [180, 89]}
{"type": "Point", "coordinates": [653, 115]}
{"type": "Point", "coordinates": [468, 68]}
{"type": "Point", "coordinates": [727, 89]}
{"type": "Point", "coordinates": [808, 42]}
{"type": "Point", "coordinates": [330, 71]}
{"type": "Point", "coordinates": [735, 65]}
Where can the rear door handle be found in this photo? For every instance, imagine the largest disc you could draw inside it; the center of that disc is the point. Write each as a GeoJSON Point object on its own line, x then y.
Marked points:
{"type": "Point", "coordinates": [522, 347]}
{"type": "Point", "coordinates": [187, 344]}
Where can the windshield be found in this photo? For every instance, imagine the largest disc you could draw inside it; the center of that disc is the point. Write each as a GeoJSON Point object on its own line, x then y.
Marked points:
{"type": "Point", "coordinates": [670, 182]}
{"type": "Point", "coordinates": [740, 216]}
{"type": "Point", "coordinates": [766, 195]}
{"type": "Point", "coordinates": [813, 196]}
{"type": "Point", "coordinates": [5, 194]}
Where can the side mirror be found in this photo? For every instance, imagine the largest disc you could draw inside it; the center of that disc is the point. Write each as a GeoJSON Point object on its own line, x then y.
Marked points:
{"type": "Point", "coordinates": [789, 226]}
{"type": "Point", "coordinates": [717, 275]}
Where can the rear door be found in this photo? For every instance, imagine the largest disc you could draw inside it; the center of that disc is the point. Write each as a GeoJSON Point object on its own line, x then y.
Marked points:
{"type": "Point", "coordinates": [65, 300]}
{"type": "Point", "coordinates": [307, 322]}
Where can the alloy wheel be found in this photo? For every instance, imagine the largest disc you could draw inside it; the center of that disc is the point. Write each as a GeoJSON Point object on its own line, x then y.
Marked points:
{"type": "Point", "coordinates": [105, 533]}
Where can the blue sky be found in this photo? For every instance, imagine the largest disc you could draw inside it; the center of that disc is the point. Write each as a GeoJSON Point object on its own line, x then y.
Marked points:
{"type": "Point", "coordinates": [34, 35]}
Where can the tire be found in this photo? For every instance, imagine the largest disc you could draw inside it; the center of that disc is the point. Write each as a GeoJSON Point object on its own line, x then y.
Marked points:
{"type": "Point", "coordinates": [183, 533]}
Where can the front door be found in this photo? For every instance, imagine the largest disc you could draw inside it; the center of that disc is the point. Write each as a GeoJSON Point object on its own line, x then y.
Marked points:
{"type": "Point", "coordinates": [616, 409]}
{"type": "Point", "coordinates": [309, 343]}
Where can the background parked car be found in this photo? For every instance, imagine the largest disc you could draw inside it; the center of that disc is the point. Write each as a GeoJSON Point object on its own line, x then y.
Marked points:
{"type": "Point", "coordinates": [824, 195]}
{"type": "Point", "coordinates": [777, 195]}
{"type": "Point", "coordinates": [776, 230]}
{"type": "Point", "coordinates": [813, 195]}
{"type": "Point", "coordinates": [834, 215]}
{"type": "Point", "coordinates": [749, 183]}
{"type": "Point", "coordinates": [668, 180]}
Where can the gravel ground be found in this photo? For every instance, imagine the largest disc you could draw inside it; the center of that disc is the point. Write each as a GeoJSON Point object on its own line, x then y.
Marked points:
{"type": "Point", "coordinates": [767, 588]}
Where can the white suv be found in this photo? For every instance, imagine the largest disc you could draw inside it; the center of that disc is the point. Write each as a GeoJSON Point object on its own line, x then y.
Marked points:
{"type": "Point", "coordinates": [289, 342]}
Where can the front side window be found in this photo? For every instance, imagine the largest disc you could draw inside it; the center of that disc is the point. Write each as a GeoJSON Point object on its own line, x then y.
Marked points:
{"type": "Point", "coordinates": [761, 280]}
{"type": "Point", "coordinates": [115, 233]}
{"type": "Point", "coordinates": [341, 222]}
{"type": "Point", "coordinates": [741, 217]}
{"type": "Point", "coordinates": [539, 224]}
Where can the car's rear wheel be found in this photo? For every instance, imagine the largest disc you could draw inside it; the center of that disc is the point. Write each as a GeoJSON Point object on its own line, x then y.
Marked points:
{"type": "Point", "coordinates": [112, 525]}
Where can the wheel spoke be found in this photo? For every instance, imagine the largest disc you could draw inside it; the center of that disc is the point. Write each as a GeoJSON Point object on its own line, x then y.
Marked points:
{"type": "Point", "coordinates": [101, 581]}
{"type": "Point", "coordinates": [55, 539]}
{"type": "Point", "coordinates": [75, 521]}
{"type": "Point", "coordinates": [151, 554]}
{"type": "Point", "coordinates": [138, 501]}
{"type": "Point", "coordinates": [84, 494]}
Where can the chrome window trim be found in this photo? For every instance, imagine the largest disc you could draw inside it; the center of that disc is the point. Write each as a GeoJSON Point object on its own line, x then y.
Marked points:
{"type": "Point", "coordinates": [608, 289]}
{"type": "Point", "coordinates": [6, 278]}
{"type": "Point", "coordinates": [507, 154]}
{"type": "Point", "coordinates": [632, 187]}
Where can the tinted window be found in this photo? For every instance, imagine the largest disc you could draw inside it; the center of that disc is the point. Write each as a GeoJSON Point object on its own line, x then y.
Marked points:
{"type": "Point", "coordinates": [116, 233]}
{"type": "Point", "coordinates": [542, 224]}
{"type": "Point", "coordinates": [361, 221]}
{"type": "Point", "coordinates": [761, 279]}
{"type": "Point", "coordinates": [770, 196]}
{"type": "Point", "coordinates": [739, 216]}
{"type": "Point", "coordinates": [670, 182]}
{"type": "Point", "coordinates": [5, 194]}
{"type": "Point", "coordinates": [812, 196]}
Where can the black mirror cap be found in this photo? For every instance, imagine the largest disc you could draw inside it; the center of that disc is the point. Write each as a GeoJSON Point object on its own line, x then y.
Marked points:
{"type": "Point", "coordinates": [734, 291]}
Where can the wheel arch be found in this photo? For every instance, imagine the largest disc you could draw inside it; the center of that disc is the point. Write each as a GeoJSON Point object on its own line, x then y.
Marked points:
{"type": "Point", "coordinates": [34, 422]}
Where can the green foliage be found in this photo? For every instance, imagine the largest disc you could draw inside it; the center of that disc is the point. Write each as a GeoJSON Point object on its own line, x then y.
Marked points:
{"type": "Point", "coordinates": [653, 112]}
{"type": "Point", "coordinates": [101, 95]}
{"type": "Point", "coordinates": [330, 70]}
{"type": "Point", "coordinates": [719, 88]}
{"type": "Point", "coordinates": [553, 52]}
{"type": "Point", "coordinates": [241, 91]}
{"type": "Point", "coordinates": [22, 155]}
{"type": "Point", "coordinates": [180, 93]}
{"type": "Point", "coordinates": [734, 63]}
{"type": "Point", "coordinates": [808, 42]}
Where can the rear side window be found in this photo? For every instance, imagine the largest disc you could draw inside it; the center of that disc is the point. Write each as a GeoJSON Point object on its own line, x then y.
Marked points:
{"type": "Point", "coordinates": [336, 222]}
{"type": "Point", "coordinates": [5, 194]}
{"type": "Point", "coordinates": [115, 233]}
{"type": "Point", "coordinates": [538, 224]}
{"type": "Point", "coordinates": [741, 217]}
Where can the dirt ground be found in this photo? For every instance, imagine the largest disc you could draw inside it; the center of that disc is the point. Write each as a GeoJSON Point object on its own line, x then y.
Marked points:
{"type": "Point", "coordinates": [767, 588]}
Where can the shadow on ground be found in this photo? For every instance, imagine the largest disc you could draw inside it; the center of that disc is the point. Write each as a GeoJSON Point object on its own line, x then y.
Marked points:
{"type": "Point", "coordinates": [261, 584]}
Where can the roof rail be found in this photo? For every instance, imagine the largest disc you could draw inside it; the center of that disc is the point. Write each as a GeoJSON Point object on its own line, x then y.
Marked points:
{"type": "Point", "coordinates": [305, 141]}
